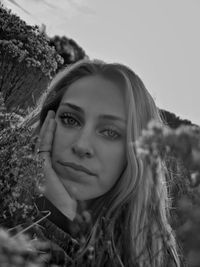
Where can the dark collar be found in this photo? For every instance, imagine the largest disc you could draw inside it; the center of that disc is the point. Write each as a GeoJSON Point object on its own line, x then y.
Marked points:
{"type": "Point", "coordinates": [57, 217]}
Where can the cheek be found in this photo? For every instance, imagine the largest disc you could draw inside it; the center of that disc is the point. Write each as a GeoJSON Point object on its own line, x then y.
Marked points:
{"type": "Point", "coordinates": [62, 140]}
{"type": "Point", "coordinates": [114, 163]}
{"type": "Point", "coordinates": [116, 155]}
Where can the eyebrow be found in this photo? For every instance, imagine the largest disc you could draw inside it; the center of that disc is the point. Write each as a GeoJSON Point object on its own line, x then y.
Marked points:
{"type": "Point", "coordinates": [103, 116]}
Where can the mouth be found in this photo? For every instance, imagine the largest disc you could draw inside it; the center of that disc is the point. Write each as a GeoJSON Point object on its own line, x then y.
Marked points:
{"type": "Point", "coordinates": [77, 167]}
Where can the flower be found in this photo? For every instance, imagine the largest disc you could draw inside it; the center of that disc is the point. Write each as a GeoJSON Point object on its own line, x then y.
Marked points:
{"type": "Point", "coordinates": [21, 174]}
{"type": "Point", "coordinates": [21, 251]}
{"type": "Point", "coordinates": [160, 141]}
{"type": "Point", "coordinates": [181, 149]}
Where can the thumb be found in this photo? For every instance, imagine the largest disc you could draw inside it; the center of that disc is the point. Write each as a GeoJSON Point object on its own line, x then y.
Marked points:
{"type": "Point", "coordinates": [58, 195]}
{"type": "Point", "coordinates": [56, 192]}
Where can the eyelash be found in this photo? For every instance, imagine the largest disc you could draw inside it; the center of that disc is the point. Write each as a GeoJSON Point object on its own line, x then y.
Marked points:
{"type": "Point", "coordinates": [68, 115]}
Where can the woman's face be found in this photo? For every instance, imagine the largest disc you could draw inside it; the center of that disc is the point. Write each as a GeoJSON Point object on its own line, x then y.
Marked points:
{"type": "Point", "coordinates": [90, 134]}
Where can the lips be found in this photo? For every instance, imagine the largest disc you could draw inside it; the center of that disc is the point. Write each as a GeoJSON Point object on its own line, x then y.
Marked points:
{"type": "Point", "coordinates": [77, 167]}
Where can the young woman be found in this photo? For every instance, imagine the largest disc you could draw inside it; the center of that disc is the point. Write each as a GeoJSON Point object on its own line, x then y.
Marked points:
{"type": "Point", "coordinates": [89, 121]}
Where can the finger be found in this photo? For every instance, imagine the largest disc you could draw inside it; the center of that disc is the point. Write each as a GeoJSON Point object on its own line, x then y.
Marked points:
{"type": "Point", "coordinates": [57, 193]}
{"type": "Point", "coordinates": [51, 114]}
{"type": "Point", "coordinates": [47, 141]}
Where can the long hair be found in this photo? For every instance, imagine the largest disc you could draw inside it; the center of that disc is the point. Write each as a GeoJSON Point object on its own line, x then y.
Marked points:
{"type": "Point", "coordinates": [138, 204]}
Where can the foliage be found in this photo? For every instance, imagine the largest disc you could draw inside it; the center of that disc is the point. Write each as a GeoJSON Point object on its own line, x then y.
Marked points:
{"type": "Point", "coordinates": [68, 49]}
{"type": "Point", "coordinates": [172, 120]}
{"type": "Point", "coordinates": [20, 174]}
{"type": "Point", "coordinates": [24, 43]}
{"type": "Point", "coordinates": [27, 63]}
{"type": "Point", "coordinates": [21, 251]}
{"type": "Point", "coordinates": [182, 144]}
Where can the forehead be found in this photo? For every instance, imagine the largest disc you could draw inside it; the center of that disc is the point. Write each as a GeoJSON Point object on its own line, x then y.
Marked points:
{"type": "Point", "coordinates": [97, 94]}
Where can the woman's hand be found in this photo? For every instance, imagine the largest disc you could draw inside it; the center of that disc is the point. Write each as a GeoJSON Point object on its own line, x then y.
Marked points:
{"type": "Point", "coordinates": [54, 190]}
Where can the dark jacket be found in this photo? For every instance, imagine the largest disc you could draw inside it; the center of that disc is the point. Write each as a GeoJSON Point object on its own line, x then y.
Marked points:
{"type": "Point", "coordinates": [67, 237]}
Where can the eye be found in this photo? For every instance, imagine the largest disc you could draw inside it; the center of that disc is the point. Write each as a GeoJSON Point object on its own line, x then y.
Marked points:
{"type": "Point", "coordinates": [69, 119]}
{"type": "Point", "coordinates": [111, 133]}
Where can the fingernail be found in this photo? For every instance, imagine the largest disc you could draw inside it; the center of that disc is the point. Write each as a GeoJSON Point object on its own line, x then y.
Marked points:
{"type": "Point", "coordinates": [51, 113]}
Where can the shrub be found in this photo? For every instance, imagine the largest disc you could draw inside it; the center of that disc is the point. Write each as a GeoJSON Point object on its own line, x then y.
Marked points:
{"type": "Point", "coordinates": [27, 61]}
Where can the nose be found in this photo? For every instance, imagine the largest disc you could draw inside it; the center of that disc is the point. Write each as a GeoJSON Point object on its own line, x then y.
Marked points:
{"type": "Point", "coordinates": [82, 146]}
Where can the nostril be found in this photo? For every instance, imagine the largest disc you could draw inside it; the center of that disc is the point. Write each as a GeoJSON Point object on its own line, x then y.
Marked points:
{"type": "Point", "coordinates": [80, 151]}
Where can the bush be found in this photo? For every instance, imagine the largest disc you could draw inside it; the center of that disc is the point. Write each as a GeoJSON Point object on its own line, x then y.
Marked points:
{"type": "Point", "coordinates": [27, 61]}
{"type": "Point", "coordinates": [182, 148]}
{"type": "Point", "coordinates": [68, 49]}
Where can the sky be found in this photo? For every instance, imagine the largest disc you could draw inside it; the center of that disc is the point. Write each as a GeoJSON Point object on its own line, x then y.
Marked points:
{"type": "Point", "coordinates": [158, 39]}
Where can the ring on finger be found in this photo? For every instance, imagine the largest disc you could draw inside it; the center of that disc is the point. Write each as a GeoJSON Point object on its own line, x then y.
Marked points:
{"type": "Point", "coordinates": [42, 150]}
